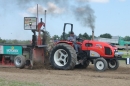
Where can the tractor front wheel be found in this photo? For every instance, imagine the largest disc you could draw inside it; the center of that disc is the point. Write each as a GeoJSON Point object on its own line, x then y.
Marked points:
{"type": "Point", "coordinates": [100, 64]}
{"type": "Point", "coordinates": [113, 64]}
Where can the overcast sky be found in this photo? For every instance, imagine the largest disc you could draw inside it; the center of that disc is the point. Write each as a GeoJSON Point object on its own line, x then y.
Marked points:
{"type": "Point", "coordinates": [102, 16]}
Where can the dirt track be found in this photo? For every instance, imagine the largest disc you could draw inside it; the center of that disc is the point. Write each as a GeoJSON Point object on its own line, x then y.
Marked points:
{"type": "Point", "coordinates": [76, 77]}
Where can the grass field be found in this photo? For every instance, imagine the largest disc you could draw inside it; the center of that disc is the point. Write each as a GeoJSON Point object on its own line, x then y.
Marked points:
{"type": "Point", "coordinates": [4, 82]}
{"type": "Point", "coordinates": [125, 53]}
{"type": "Point", "coordinates": [9, 82]}
{"type": "Point", "coordinates": [126, 56]}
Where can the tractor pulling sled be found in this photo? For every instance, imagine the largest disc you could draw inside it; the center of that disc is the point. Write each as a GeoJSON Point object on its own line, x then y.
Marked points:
{"type": "Point", "coordinates": [63, 55]}
{"type": "Point", "coordinates": [25, 55]}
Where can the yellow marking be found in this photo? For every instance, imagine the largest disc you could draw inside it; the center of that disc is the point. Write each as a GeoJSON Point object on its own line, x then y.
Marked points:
{"type": "Point", "coordinates": [92, 54]}
{"type": "Point", "coordinates": [12, 47]}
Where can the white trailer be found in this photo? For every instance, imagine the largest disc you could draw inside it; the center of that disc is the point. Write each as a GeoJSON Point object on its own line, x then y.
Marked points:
{"type": "Point", "coordinates": [112, 40]}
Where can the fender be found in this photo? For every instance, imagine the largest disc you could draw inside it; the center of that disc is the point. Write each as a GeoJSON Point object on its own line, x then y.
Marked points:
{"type": "Point", "coordinates": [66, 42]}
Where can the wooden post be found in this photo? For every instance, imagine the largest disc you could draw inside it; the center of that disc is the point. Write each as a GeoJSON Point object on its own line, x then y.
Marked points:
{"type": "Point", "coordinates": [127, 48]}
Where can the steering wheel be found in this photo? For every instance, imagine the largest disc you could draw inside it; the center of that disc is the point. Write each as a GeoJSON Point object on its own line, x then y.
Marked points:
{"type": "Point", "coordinates": [79, 39]}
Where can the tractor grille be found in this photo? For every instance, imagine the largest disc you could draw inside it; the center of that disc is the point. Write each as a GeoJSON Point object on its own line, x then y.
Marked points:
{"type": "Point", "coordinates": [108, 51]}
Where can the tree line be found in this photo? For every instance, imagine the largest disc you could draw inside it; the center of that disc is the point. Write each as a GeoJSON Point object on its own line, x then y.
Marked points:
{"type": "Point", "coordinates": [48, 37]}
{"type": "Point", "coordinates": [14, 41]}
{"type": "Point", "coordinates": [89, 37]}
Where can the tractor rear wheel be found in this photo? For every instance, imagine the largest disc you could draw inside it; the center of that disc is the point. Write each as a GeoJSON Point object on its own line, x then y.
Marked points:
{"type": "Point", "coordinates": [19, 61]}
{"type": "Point", "coordinates": [100, 64]}
{"type": "Point", "coordinates": [113, 64]}
{"type": "Point", "coordinates": [63, 57]}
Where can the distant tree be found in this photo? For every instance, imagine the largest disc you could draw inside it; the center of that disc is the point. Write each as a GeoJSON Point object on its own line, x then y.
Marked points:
{"type": "Point", "coordinates": [86, 36]}
{"type": "Point", "coordinates": [80, 35]}
{"type": "Point", "coordinates": [127, 38]}
{"type": "Point", "coordinates": [90, 37]}
{"type": "Point", "coordinates": [2, 41]}
{"type": "Point", "coordinates": [27, 42]}
{"type": "Point", "coordinates": [46, 37]}
{"type": "Point", "coordinates": [55, 37]}
{"type": "Point", "coordinates": [106, 35]}
{"type": "Point", "coordinates": [15, 41]}
{"type": "Point", "coordinates": [66, 36]}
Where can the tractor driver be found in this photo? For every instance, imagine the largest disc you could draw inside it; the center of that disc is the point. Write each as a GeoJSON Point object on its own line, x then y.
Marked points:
{"type": "Point", "coordinates": [73, 38]}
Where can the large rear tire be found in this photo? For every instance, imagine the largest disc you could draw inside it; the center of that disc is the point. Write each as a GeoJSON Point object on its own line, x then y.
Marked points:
{"type": "Point", "coordinates": [19, 61]}
{"type": "Point", "coordinates": [100, 64]}
{"type": "Point", "coordinates": [63, 57]}
{"type": "Point", "coordinates": [113, 64]}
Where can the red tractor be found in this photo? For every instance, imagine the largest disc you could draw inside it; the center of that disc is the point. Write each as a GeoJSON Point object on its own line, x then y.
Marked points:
{"type": "Point", "coordinates": [63, 55]}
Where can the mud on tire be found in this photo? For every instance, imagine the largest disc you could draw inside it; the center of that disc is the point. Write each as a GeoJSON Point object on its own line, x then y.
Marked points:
{"type": "Point", "coordinates": [63, 57]}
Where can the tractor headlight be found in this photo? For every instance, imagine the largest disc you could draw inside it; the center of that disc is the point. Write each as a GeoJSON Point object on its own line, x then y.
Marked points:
{"type": "Point", "coordinates": [116, 54]}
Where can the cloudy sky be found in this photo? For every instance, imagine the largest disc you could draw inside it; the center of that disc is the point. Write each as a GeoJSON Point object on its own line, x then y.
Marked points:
{"type": "Point", "coordinates": [102, 16]}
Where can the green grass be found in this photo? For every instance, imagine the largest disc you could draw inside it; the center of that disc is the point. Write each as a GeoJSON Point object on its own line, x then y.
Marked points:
{"type": "Point", "coordinates": [125, 55]}
{"type": "Point", "coordinates": [4, 82]}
